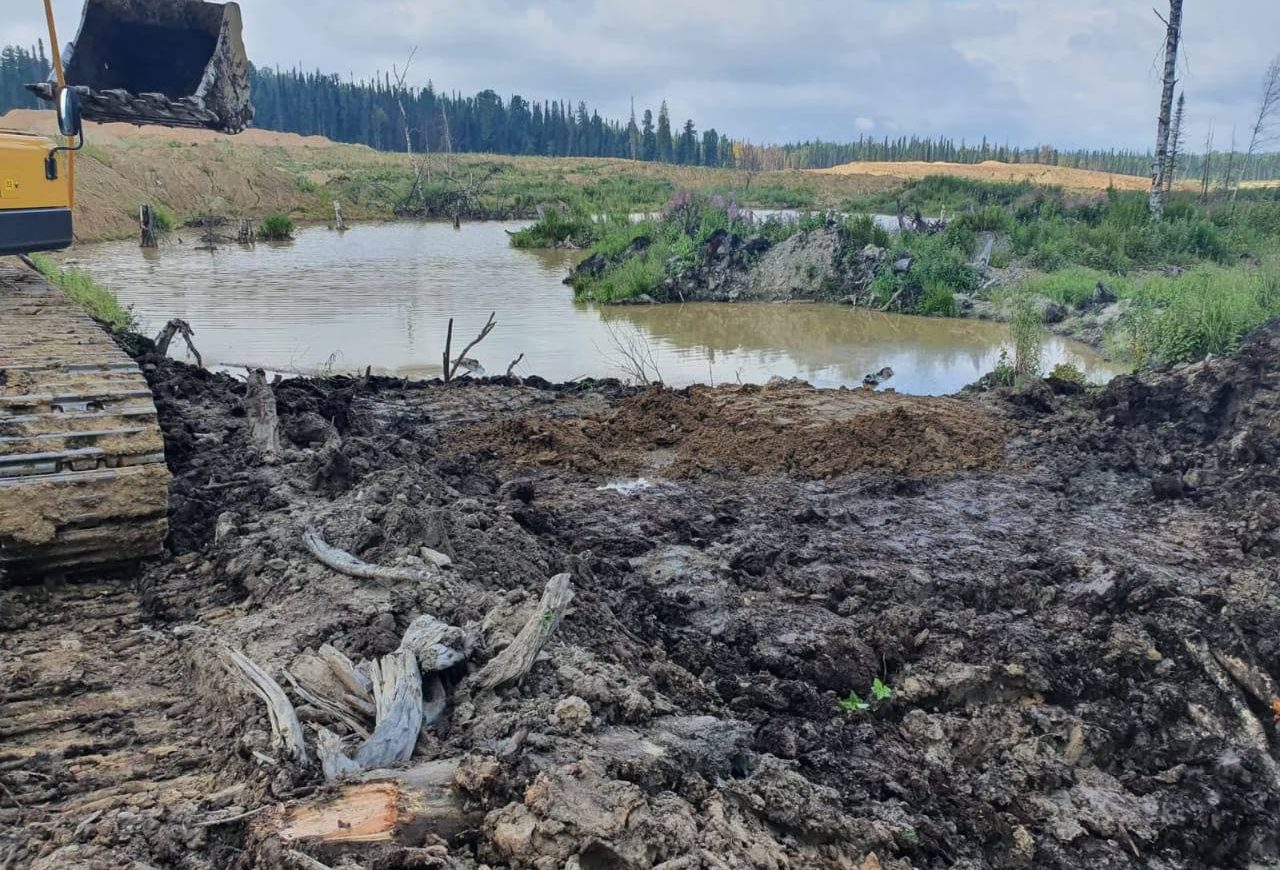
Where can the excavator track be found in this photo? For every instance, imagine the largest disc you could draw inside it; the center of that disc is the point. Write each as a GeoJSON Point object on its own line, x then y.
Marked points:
{"type": "Point", "coordinates": [83, 481]}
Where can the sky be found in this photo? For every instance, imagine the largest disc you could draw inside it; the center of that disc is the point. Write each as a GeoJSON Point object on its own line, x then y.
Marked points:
{"type": "Point", "coordinates": [1074, 73]}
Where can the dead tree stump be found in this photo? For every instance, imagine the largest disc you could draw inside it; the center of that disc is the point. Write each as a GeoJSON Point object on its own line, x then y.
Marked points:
{"type": "Point", "coordinates": [147, 227]}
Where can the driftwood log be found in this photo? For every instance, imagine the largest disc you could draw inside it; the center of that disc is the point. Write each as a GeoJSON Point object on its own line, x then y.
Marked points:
{"type": "Point", "coordinates": [260, 408]}
{"type": "Point", "coordinates": [403, 811]}
{"type": "Point", "coordinates": [284, 720]}
{"type": "Point", "coordinates": [345, 563]}
{"type": "Point", "coordinates": [510, 665]}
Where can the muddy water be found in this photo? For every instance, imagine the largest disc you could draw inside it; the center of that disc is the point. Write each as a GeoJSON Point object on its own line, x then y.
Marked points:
{"type": "Point", "coordinates": [381, 295]}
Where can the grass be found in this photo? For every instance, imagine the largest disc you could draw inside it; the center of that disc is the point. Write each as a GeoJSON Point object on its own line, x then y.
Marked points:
{"type": "Point", "coordinates": [276, 228]}
{"type": "Point", "coordinates": [558, 229]}
{"type": "Point", "coordinates": [99, 302]}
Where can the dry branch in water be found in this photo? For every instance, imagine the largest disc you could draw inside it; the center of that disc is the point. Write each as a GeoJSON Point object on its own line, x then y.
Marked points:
{"type": "Point", "coordinates": [514, 662]}
{"type": "Point", "coordinates": [451, 365]}
{"type": "Point", "coordinates": [634, 355]}
{"type": "Point", "coordinates": [284, 721]}
{"type": "Point", "coordinates": [345, 563]}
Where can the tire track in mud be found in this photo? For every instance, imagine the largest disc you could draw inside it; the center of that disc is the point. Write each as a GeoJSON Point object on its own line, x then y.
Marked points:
{"type": "Point", "coordinates": [99, 741]}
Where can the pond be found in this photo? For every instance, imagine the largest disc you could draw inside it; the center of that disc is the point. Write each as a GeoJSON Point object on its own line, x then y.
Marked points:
{"type": "Point", "coordinates": [381, 295]}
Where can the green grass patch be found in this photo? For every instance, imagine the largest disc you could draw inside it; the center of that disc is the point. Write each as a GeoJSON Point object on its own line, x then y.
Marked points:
{"type": "Point", "coordinates": [558, 229]}
{"type": "Point", "coordinates": [276, 227]}
{"type": "Point", "coordinates": [99, 302]}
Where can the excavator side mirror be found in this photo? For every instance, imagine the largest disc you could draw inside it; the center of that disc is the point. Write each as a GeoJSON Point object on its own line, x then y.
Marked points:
{"type": "Point", "coordinates": [70, 123]}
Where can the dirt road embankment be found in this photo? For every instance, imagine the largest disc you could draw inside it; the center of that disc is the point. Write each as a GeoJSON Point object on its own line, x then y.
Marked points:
{"type": "Point", "coordinates": [1003, 630]}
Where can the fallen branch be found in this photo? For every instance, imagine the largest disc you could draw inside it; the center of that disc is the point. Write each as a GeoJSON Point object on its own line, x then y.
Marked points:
{"type": "Point", "coordinates": [284, 721]}
{"type": "Point", "coordinates": [515, 362]}
{"type": "Point", "coordinates": [345, 563]}
{"type": "Point", "coordinates": [514, 662]}
{"type": "Point", "coordinates": [1250, 728]}
{"type": "Point", "coordinates": [334, 709]}
{"type": "Point", "coordinates": [352, 678]}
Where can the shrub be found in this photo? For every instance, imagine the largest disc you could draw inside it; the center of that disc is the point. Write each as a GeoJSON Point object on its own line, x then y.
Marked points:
{"type": "Point", "coordinates": [276, 227]}
{"type": "Point", "coordinates": [1026, 328]}
{"type": "Point", "coordinates": [1067, 372]}
{"type": "Point", "coordinates": [938, 299]}
{"type": "Point", "coordinates": [162, 219]}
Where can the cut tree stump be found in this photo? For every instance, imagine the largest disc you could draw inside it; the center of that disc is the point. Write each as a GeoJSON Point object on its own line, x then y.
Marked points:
{"type": "Point", "coordinates": [371, 812]}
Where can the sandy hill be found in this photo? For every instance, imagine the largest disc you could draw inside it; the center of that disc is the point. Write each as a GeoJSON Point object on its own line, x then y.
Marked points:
{"type": "Point", "coordinates": [992, 170]}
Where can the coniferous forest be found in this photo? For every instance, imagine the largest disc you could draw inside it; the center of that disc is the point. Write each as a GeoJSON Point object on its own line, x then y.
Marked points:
{"type": "Point", "coordinates": [377, 113]}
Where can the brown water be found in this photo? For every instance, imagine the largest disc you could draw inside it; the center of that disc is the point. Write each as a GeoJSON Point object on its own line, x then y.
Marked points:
{"type": "Point", "coordinates": [381, 295]}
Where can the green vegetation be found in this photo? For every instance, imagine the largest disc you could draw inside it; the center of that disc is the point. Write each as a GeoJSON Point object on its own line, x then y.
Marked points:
{"type": "Point", "coordinates": [880, 694]}
{"type": "Point", "coordinates": [1188, 285]}
{"type": "Point", "coordinates": [276, 228]}
{"type": "Point", "coordinates": [558, 229]}
{"type": "Point", "coordinates": [99, 302]}
{"type": "Point", "coordinates": [162, 219]}
{"type": "Point", "coordinates": [1026, 328]}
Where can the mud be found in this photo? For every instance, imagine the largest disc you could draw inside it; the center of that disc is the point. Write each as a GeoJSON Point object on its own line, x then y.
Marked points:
{"type": "Point", "coordinates": [1069, 597]}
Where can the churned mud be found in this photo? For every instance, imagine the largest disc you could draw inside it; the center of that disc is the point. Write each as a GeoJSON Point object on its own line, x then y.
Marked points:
{"type": "Point", "coordinates": [1051, 617]}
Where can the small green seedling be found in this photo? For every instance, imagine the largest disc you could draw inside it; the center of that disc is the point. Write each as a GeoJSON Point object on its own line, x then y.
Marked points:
{"type": "Point", "coordinates": [880, 690]}
{"type": "Point", "coordinates": [854, 704]}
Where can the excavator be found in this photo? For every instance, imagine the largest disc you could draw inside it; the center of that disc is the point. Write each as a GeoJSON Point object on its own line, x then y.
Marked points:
{"type": "Point", "coordinates": [83, 483]}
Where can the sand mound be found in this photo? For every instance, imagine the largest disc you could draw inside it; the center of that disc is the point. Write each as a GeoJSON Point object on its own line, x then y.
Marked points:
{"type": "Point", "coordinates": [992, 170]}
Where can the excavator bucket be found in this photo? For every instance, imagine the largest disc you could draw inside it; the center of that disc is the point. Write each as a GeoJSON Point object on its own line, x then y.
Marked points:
{"type": "Point", "coordinates": [176, 63]}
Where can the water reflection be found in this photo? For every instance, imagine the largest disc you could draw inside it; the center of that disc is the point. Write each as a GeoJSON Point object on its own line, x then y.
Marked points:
{"type": "Point", "coordinates": [382, 295]}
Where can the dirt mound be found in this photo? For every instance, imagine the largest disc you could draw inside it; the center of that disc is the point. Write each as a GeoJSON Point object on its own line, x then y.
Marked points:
{"type": "Point", "coordinates": [790, 428]}
{"type": "Point", "coordinates": [993, 170]}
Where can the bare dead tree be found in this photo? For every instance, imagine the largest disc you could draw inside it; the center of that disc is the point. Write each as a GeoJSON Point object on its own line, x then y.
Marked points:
{"type": "Point", "coordinates": [1263, 131]}
{"type": "Point", "coordinates": [1173, 37]}
{"type": "Point", "coordinates": [1175, 145]}
{"type": "Point", "coordinates": [1208, 164]}
{"type": "Point", "coordinates": [451, 365]}
{"type": "Point", "coordinates": [1231, 162]}
{"type": "Point", "coordinates": [400, 91]}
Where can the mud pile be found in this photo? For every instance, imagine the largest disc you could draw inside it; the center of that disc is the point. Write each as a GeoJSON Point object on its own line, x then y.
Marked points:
{"type": "Point", "coordinates": [785, 427]}
{"type": "Point", "coordinates": [1073, 668]}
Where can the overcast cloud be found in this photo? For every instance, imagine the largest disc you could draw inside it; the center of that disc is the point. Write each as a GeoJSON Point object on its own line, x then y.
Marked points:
{"type": "Point", "coordinates": [1070, 72]}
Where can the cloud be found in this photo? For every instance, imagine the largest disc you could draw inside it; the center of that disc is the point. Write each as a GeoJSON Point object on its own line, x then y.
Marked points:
{"type": "Point", "coordinates": [1070, 72]}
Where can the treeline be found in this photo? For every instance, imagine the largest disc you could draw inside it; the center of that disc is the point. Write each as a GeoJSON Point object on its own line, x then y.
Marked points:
{"type": "Point", "coordinates": [18, 67]}
{"type": "Point", "coordinates": [384, 115]}
{"type": "Point", "coordinates": [378, 113]}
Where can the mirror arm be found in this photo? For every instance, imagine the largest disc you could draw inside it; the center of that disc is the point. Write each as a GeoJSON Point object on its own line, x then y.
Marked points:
{"type": "Point", "coordinates": [51, 162]}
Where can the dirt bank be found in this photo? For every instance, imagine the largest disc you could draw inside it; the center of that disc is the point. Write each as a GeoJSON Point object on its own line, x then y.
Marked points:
{"type": "Point", "coordinates": [1070, 599]}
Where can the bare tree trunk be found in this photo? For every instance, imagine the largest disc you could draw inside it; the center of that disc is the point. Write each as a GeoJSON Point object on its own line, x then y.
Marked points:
{"type": "Point", "coordinates": [1173, 35]}
{"type": "Point", "coordinates": [1208, 165]}
{"type": "Point", "coordinates": [1231, 162]}
{"type": "Point", "coordinates": [1175, 146]}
